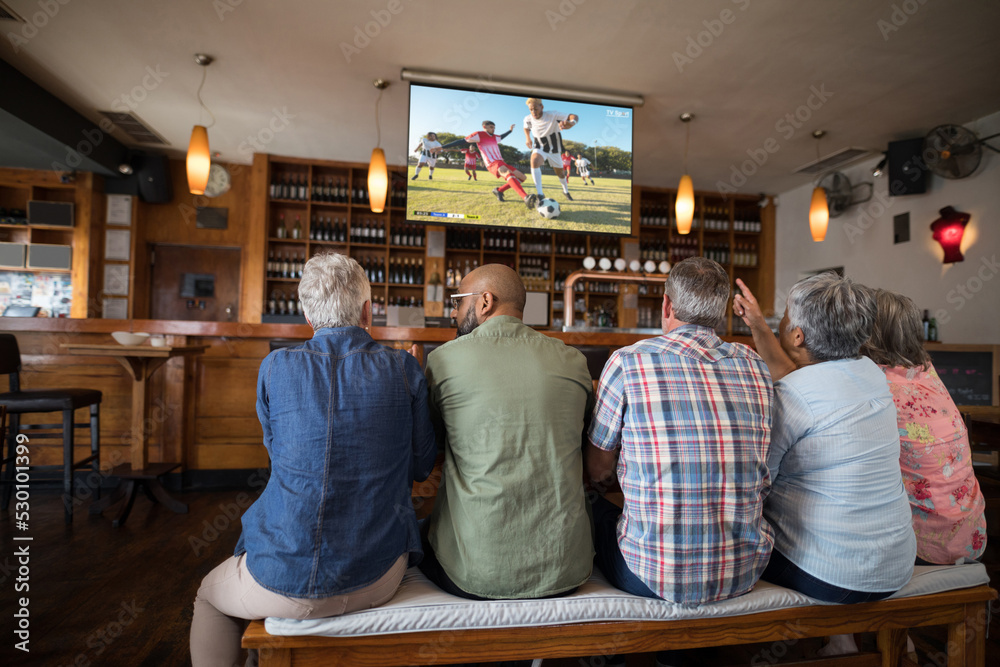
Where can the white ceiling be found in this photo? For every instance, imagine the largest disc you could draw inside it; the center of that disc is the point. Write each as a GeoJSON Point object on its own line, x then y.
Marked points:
{"type": "Point", "coordinates": [887, 74]}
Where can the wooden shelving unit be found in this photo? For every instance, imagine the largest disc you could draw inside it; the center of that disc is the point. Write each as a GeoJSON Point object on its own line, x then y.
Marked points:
{"type": "Point", "coordinates": [18, 187]}
{"type": "Point", "coordinates": [735, 231]}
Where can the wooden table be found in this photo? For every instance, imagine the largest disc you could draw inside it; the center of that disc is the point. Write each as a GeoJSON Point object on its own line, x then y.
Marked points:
{"type": "Point", "coordinates": [141, 361]}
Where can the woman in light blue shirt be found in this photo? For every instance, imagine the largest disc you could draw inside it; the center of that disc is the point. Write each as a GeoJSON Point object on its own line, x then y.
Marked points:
{"type": "Point", "coordinates": [837, 504]}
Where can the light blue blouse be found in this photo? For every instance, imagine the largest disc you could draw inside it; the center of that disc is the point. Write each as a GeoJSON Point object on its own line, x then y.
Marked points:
{"type": "Point", "coordinates": [837, 502]}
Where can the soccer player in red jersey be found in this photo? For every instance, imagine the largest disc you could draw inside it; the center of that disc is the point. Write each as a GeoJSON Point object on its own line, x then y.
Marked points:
{"type": "Point", "coordinates": [470, 154]}
{"type": "Point", "coordinates": [567, 160]}
{"type": "Point", "coordinates": [489, 149]}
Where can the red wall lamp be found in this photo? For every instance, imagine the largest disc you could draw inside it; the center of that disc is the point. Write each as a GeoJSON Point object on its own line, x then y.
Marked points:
{"type": "Point", "coordinates": [948, 231]}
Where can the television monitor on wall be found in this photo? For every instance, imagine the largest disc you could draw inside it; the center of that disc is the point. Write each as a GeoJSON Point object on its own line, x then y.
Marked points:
{"type": "Point", "coordinates": [597, 137]}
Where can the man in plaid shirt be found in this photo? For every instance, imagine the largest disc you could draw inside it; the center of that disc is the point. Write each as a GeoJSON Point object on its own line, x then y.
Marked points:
{"type": "Point", "coordinates": [689, 419]}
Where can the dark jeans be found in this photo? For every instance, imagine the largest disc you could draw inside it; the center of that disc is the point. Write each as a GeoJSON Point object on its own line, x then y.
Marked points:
{"type": "Point", "coordinates": [608, 556]}
{"type": "Point", "coordinates": [784, 572]}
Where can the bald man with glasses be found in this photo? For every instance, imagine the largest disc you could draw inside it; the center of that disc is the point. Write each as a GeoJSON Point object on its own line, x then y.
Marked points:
{"type": "Point", "coordinates": [510, 520]}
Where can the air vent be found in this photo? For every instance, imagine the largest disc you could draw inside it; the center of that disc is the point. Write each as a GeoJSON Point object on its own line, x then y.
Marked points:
{"type": "Point", "coordinates": [833, 161]}
{"type": "Point", "coordinates": [8, 14]}
{"type": "Point", "coordinates": [133, 127]}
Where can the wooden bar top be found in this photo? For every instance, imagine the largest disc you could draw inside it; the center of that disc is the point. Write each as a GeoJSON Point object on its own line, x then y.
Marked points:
{"type": "Point", "coordinates": [244, 330]}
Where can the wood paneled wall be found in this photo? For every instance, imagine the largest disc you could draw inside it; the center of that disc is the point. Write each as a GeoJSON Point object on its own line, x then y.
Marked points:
{"type": "Point", "coordinates": [176, 223]}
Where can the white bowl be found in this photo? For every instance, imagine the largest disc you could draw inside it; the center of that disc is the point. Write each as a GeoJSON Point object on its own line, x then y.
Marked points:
{"type": "Point", "coordinates": [127, 338]}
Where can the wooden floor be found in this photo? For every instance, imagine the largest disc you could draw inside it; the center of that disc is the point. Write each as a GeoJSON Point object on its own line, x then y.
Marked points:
{"type": "Point", "coordinates": [105, 596]}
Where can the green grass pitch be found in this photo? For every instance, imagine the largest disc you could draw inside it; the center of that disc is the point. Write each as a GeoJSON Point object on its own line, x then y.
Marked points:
{"type": "Point", "coordinates": [601, 208]}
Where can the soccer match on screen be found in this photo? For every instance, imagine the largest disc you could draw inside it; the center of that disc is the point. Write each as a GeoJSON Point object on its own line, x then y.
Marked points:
{"type": "Point", "coordinates": [481, 158]}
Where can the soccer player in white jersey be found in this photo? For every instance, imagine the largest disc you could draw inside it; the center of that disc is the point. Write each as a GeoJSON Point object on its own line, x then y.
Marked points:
{"type": "Point", "coordinates": [489, 149]}
{"type": "Point", "coordinates": [583, 168]}
{"type": "Point", "coordinates": [429, 147]}
{"type": "Point", "coordinates": [542, 136]}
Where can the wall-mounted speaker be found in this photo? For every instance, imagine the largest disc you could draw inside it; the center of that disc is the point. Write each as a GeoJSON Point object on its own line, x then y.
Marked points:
{"type": "Point", "coordinates": [12, 255]}
{"type": "Point", "coordinates": [907, 171]}
{"type": "Point", "coordinates": [55, 213]}
{"type": "Point", "coordinates": [152, 174]}
{"type": "Point", "coordinates": [49, 256]}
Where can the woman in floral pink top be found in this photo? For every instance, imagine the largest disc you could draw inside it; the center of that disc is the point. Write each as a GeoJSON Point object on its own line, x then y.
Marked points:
{"type": "Point", "coordinates": [934, 445]}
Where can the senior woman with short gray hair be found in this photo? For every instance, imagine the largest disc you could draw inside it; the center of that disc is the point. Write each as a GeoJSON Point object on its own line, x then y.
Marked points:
{"type": "Point", "coordinates": [840, 514]}
{"type": "Point", "coordinates": [348, 430]}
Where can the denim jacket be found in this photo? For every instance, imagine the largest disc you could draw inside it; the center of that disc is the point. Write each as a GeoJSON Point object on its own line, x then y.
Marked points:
{"type": "Point", "coordinates": [347, 427]}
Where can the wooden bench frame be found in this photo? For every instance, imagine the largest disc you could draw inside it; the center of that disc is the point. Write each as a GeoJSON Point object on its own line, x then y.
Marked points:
{"type": "Point", "coordinates": [964, 611]}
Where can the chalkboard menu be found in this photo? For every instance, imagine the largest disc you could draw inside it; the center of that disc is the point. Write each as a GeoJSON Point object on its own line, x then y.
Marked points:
{"type": "Point", "coordinates": [968, 375]}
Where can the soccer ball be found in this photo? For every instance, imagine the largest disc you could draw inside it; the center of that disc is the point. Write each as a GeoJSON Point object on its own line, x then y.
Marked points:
{"type": "Point", "coordinates": [548, 209]}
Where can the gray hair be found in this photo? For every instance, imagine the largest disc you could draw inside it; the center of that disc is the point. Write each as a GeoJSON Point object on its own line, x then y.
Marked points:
{"type": "Point", "coordinates": [698, 289]}
{"type": "Point", "coordinates": [898, 335]}
{"type": "Point", "coordinates": [836, 315]}
{"type": "Point", "coordinates": [333, 291]}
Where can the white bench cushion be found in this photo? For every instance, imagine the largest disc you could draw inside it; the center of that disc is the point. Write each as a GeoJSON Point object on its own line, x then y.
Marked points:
{"type": "Point", "coordinates": [420, 606]}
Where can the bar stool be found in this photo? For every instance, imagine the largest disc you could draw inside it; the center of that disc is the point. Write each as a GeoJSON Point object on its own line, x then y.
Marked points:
{"type": "Point", "coordinates": [18, 402]}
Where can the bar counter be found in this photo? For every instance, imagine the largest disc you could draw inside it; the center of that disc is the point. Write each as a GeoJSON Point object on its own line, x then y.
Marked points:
{"type": "Point", "coordinates": [202, 409]}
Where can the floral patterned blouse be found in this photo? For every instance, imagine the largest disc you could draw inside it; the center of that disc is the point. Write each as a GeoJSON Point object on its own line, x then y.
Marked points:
{"type": "Point", "coordinates": [936, 462]}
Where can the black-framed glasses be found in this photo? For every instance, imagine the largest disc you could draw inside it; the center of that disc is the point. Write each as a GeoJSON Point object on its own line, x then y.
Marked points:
{"type": "Point", "coordinates": [456, 299]}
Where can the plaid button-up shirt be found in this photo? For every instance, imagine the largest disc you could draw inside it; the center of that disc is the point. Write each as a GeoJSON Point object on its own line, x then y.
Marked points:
{"type": "Point", "coordinates": [692, 417]}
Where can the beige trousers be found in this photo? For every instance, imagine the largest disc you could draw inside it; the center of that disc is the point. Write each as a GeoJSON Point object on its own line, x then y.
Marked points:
{"type": "Point", "coordinates": [229, 596]}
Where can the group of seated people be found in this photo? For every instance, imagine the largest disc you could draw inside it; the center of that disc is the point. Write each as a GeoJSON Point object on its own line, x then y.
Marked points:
{"type": "Point", "coordinates": [829, 461]}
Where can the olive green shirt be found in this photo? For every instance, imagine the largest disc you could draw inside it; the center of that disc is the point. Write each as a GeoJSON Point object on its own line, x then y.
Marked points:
{"type": "Point", "coordinates": [509, 405]}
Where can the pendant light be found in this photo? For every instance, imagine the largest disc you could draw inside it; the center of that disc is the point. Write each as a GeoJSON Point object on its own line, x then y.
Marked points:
{"type": "Point", "coordinates": [819, 211]}
{"type": "Point", "coordinates": [684, 207]}
{"type": "Point", "coordinates": [378, 174]}
{"type": "Point", "coordinates": [199, 159]}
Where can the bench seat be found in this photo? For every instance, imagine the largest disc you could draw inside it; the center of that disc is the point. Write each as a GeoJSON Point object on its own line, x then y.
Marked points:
{"type": "Point", "coordinates": [422, 625]}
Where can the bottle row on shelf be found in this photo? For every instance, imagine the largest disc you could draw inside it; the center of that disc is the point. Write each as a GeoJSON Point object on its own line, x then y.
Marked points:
{"type": "Point", "coordinates": [534, 272]}
{"type": "Point", "coordinates": [454, 274]}
{"type": "Point", "coordinates": [462, 239]}
{"type": "Point", "coordinates": [337, 230]}
{"type": "Point", "coordinates": [743, 254]}
{"type": "Point", "coordinates": [716, 219]}
{"type": "Point", "coordinates": [500, 240]}
{"type": "Point", "coordinates": [281, 303]}
{"type": "Point", "coordinates": [405, 271]}
{"type": "Point", "coordinates": [605, 248]}
{"type": "Point", "coordinates": [539, 244]}
{"type": "Point", "coordinates": [649, 317]}
{"type": "Point", "coordinates": [288, 264]}
{"type": "Point", "coordinates": [329, 189]}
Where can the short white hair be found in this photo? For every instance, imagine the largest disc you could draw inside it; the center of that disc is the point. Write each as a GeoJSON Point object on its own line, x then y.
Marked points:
{"type": "Point", "coordinates": [333, 291]}
{"type": "Point", "coordinates": [836, 315]}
